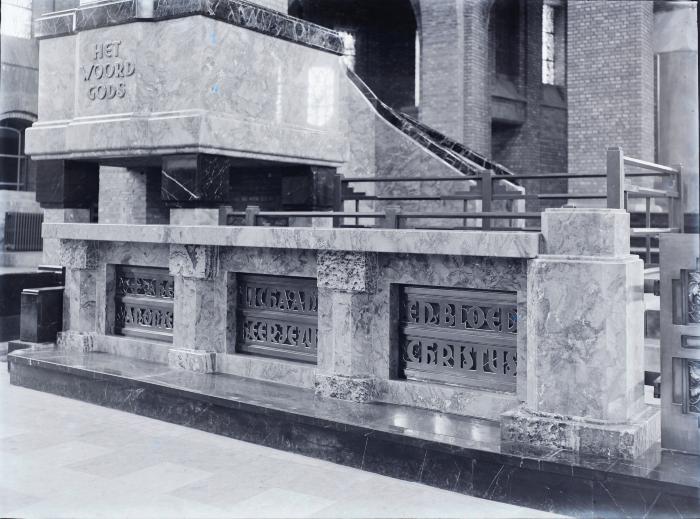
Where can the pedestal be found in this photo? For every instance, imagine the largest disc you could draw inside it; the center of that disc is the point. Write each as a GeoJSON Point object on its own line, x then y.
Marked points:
{"type": "Point", "coordinates": [585, 340]}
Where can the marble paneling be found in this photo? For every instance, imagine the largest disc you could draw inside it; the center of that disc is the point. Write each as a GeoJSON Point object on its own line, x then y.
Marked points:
{"type": "Point", "coordinates": [192, 360]}
{"type": "Point", "coordinates": [194, 261]}
{"type": "Point", "coordinates": [132, 348]}
{"type": "Point", "coordinates": [203, 104]}
{"type": "Point", "coordinates": [59, 80]}
{"type": "Point", "coordinates": [200, 310]}
{"type": "Point", "coordinates": [464, 401]}
{"type": "Point", "coordinates": [344, 333]}
{"type": "Point", "coordinates": [586, 345]}
{"type": "Point", "coordinates": [499, 244]}
{"type": "Point", "coordinates": [347, 271]}
{"type": "Point", "coordinates": [285, 372]}
{"type": "Point", "coordinates": [80, 300]}
{"type": "Point", "coordinates": [586, 232]}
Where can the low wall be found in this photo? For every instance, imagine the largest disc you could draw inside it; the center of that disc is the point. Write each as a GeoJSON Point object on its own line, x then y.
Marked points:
{"type": "Point", "coordinates": [358, 277]}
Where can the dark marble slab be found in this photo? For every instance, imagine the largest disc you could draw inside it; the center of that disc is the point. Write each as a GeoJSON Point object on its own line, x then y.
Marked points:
{"type": "Point", "coordinates": [41, 315]}
{"type": "Point", "coordinates": [195, 180]}
{"type": "Point", "coordinates": [236, 12]}
{"type": "Point", "coordinates": [450, 452]}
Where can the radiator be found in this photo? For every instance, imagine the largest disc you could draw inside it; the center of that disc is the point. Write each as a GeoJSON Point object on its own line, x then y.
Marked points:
{"type": "Point", "coordinates": [23, 231]}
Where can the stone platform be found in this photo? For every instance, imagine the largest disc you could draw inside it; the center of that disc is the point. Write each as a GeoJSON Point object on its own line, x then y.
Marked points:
{"type": "Point", "coordinates": [446, 451]}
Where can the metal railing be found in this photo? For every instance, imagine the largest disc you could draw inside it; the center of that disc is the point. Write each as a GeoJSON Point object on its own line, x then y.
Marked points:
{"type": "Point", "coordinates": [618, 190]}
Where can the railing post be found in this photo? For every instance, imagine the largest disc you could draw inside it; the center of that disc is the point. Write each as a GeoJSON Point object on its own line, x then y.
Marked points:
{"type": "Point", "coordinates": [486, 196]}
{"type": "Point", "coordinates": [391, 221]}
{"type": "Point", "coordinates": [251, 215]}
{"type": "Point", "coordinates": [616, 178]}
{"type": "Point", "coordinates": [676, 215]}
{"type": "Point", "coordinates": [338, 204]}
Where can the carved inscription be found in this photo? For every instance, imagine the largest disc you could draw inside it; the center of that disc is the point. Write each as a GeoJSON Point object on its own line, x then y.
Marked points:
{"type": "Point", "coordinates": [460, 337]}
{"type": "Point", "coordinates": [107, 73]}
{"type": "Point", "coordinates": [278, 317]}
{"type": "Point", "coordinates": [144, 302]}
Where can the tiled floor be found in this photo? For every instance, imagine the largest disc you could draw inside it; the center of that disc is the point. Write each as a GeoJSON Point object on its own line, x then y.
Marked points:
{"type": "Point", "coordinates": [65, 458]}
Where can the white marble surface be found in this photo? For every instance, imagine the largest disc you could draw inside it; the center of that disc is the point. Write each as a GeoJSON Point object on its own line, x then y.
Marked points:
{"type": "Point", "coordinates": [586, 337]}
{"type": "Point", "coordinates": [586, 232]}
{"type": "Point", "coordinates": [516, 244]}
{"type": "Point", "coordinates": [263, 97]}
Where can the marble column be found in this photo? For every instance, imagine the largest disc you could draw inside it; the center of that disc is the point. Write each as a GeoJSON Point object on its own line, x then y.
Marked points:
{"type": "Point", "coordinates": [585, 340]}
{"type": "Point", "coordinates": [80, 258]}
{"type": "Point", "coordinates": [346, 282]}
{"type": "Point", "coordinates": [199, 309]}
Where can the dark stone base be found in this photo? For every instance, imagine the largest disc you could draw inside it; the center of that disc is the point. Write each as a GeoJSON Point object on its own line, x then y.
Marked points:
{"type": "Point", "coordinates": [464, 455]}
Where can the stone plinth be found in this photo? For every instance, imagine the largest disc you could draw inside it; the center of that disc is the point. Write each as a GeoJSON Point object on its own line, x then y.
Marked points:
{"type": "Point", "coordinates": [585, 340]}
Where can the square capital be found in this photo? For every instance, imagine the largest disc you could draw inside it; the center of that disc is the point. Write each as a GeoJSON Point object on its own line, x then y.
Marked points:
{"type": "Point", "coordinates": [79, 254]}
{"type": "Point", "coordinates": [347, 271]}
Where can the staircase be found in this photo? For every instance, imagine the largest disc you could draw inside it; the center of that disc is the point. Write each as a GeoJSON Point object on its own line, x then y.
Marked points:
{"type": "Point", "coordinates": [455, 154]}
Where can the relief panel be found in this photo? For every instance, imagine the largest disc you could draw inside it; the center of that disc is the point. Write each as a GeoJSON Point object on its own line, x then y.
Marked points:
{"type": "Point", "coordinates": [458, 337]}
{"type": "Point", "coordinates": [278, 317]}
{"type": "Point", "coordinates": [144, 303]}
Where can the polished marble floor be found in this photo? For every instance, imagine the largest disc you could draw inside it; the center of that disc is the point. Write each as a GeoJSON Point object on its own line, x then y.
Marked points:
{"type": "Point", "coordinates": [65, 458]}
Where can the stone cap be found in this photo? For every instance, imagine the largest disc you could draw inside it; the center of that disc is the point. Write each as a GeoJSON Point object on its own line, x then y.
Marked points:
{"type": "Point", "coordinates": [503, 244]}
{"type": "Point", "coordinates": [586, 232]}
{"type": "Point", "coordinates": [235, 12]}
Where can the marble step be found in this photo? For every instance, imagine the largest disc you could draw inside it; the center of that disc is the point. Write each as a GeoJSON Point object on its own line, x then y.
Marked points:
{"type": "Point", "coordinates": [446, 451]}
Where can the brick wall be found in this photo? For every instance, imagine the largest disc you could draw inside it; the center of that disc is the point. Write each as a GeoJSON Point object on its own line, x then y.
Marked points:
{"type": "Point", "coordinates": [122, 196]}
{"type": "Point", "coordinates": [455, 94]}
{"type": "Point", "coordinates": [442, 66]}
{"type": "Point", "coordinates": [610, 83]}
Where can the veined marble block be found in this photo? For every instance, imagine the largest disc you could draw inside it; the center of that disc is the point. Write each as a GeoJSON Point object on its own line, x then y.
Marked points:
{"type": "Point", "coordinates": [585, 340]}
{"type": "Point", "coordinates": [346, 388]}
{"type": "Point", "coordinates": [192, 360]}
{"type": "Point", "coordinates": [348, 271]}
{"type": "Point", "coordinates": [194, 261]}
{"type": "Point", "coordinates": [75, 341]}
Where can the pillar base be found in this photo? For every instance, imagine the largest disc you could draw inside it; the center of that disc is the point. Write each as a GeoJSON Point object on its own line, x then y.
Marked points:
{"type": "Point", "coordinates": [199, 361]}
{"type": "Point", "coordinates": [75, 341]}
{"type": "Point", "coordinates": [596, 438]}
{"type": "Point", "coordinates": [346, 388]}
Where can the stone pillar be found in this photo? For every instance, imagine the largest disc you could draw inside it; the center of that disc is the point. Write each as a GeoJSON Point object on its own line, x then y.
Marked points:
{"type": "Point", "coordinates": [80, 258]}
{"type": "Point", "coordinates": [199, 309]}
{"type": "Point", "coordinates": [676, 45]}
{"type": "Point", "coordinates": [66, 190]}
{"type": "Point", "coordinates": [585, 340]}
{"type": "Point", "coordinates": [346, 282]}
{"type": "Point", "coordinates": [454, 70]}
{"type": "Point", "coordinates": [610, 93]}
